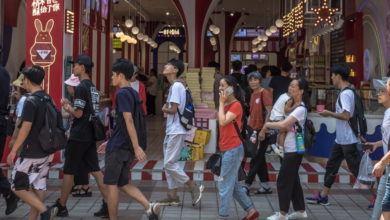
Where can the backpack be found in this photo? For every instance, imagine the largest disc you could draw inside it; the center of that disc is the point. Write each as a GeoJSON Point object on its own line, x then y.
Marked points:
{"type": "Point", "coordinates": [309, 132]}
{"type": "Point", "coordinates": [52, 134]}
{"type": "Point", "coordinates": [357, 122]}
{"type": "Point", "coordinates": [187, 119]}
{"type": "Point", "coordinates": [139, 119]}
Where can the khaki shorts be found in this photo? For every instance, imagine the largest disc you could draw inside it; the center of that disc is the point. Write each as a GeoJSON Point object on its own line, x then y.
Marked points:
{"type": "Point", "coordinates": [31, 172]}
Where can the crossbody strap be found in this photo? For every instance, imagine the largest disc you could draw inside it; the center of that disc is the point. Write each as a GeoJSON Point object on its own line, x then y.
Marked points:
{"type": "Point", "coordinates": [238, 130]}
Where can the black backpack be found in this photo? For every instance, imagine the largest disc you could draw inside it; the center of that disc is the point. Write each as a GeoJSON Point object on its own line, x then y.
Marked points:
{"type": "Point", "coordinates": [52, 134]}
{"type": "Point", "coordinates": [139, 119]}
{"type": "Point", "coordinates": [187, 119]}
{"type": "Point", "coordinates": [358, 121]}
{"type": "Point", "coordinates": [309, 132]}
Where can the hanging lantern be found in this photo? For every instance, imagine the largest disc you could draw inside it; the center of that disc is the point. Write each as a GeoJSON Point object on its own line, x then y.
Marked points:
{"type": "Point", "coordinates": [123, 38]}
{"type": "Point", "coordinates": [213, 41]}
{"type": "Point", "coordinates": [129, 23]}
{"type": "Point", "coordinates": [146, 38]}
{"type": "Point", "coordinates": [259, 47]}
{"type": "Point", "coordinates": [279, 23]}
{"type": "Point", "coordinates": [140, 36]}
{"type": "Point", "coordinates": [273, 29]}
{"type": "Point", "coordinates": [264, 44]}
{"type": "Point", "coordinates": [268, 33]}
{"type": "Point", "coordinates": [129, 40]}
{"type": "Point", "coordinates": [119, 34]}
{"type": "Point", "coordinates": [135, 30]}
{"type": "Point", "coordinates": [216, 30]}
{"type": "Point", "coordinates": [211, 28]}
{"type": "Point", "coordinates": [255, 41]}
{"type": "Point", "coordinates": [265, 38]}
{"type": "Point", "coordinates": [254, 50]}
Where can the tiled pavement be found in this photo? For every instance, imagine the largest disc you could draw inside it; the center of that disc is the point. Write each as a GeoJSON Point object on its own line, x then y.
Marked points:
{"type": "Point", "coordinates": [346, 203]}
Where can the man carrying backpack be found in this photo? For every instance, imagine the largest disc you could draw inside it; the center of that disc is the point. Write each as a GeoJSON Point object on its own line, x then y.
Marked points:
{"type": "Point", "coordinates": [175, 136]}
{"type": "Point", "coordinates": [81, 147]}
{"type": "Point", "coordinates": [32, 167]}
{"type": "Point", "coordinates": [124, 146]}
{"type": "Point", "coordinates": [345, 146]}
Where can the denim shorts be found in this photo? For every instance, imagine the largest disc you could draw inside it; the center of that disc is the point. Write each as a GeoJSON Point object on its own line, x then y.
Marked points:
{"type": "Point", "coordinates": [386, 198]}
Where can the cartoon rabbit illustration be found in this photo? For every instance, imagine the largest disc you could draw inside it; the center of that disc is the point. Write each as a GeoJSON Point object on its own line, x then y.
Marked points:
{"type": "Point", "coordinates": [43, 52]}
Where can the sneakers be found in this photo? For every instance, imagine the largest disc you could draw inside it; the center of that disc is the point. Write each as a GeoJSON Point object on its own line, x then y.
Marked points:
{"type": "Point", "coordinates": [318, 200]}
{"type": "Point", "coordinates": [12, 203]}
{"type": "Point", "coordinates": [297, 215]}
{"type": "Point", "coordinates": [170, 201]}
{"type": "Point", "coordinates": [62, 211]}
{"type": "Point", "coordinates": [372, 203]}
{"type": "Point", "coordinates": [154, 211]}
{"type": "Point", "coordinates": [196, 194]}
{"type": "Point", "coordinates": [278, 216]}
{"type": "Point", "coordinates": [103, 212]}
{"type": "Point", "coordinates": [50, 213]}
{"type": "Point", "coordinates": [264, 190]}
{"type": "Point", "coordinates": [277, 150]}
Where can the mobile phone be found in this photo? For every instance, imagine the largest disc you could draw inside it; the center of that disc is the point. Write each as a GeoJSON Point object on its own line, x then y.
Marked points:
{"type": "Point", "coordinates": [229, 90]}
{"type": "Point", "coordinates": [368, 147]}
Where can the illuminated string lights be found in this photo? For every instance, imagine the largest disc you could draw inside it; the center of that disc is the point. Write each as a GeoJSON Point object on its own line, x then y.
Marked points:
{"type": "Point", "coordinates": [324, 13]}
{"type": "Point", "coordinates": [293, 21]}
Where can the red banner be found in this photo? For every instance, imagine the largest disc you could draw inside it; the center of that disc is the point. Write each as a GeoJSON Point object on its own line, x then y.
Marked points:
{"type": "Point", "coordinates": [44, 41]}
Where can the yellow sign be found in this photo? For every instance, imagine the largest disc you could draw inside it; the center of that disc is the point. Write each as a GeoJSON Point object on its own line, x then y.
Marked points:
{"type": "Point", "coordinates": [293, 21]}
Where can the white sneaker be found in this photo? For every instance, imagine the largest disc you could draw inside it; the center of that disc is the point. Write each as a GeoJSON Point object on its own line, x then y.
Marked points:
{"type": "Point", "coordinates": [277, 150]}
{"type": "Point", "coordinates": [278, 216]}
{"type": "Point", "coordinates": [297, 215]}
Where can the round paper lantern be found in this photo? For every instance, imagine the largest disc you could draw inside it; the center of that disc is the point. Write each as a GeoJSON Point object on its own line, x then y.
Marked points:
{"type": "Point", "coordinates": [279, 23]}
{"type": "Point", "coordinates": [119, 34]}
{"type": "Point", "coordinates": [140, 36]}
{"type": "Point", "coordinates": [211, 27]}
{"type": "Point", "coordinates": [265, 38]}
{"type": "Point", "coordinates": [146, 38]}
{"type": "Point", "coordinates": [273, 29]}
{"type": "Point", "coordinates": [216, 30]}
{"type": "Point", "coordinates": [135, 30]}
{"type": "Point", "coordinates": [123, 38]}
{"type": "Point", "coordinates": [259, 47]}
{"type": "Point", "coordinates": [264, 44]}
{"type": "Point", "coordinates": [268, 32]}
{"type": "Point", "coordinates": [129, 23]}
{"type": "Point", "coordinates": [255, 41]}
{"type": "Point", "coordinates": [254, 50]}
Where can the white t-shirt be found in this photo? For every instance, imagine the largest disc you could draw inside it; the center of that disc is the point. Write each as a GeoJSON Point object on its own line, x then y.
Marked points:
{"type": "Point", "coordinates": [289, 143]}
{"type": "Point", "coordinates": [344, 133]}
{"type": "Point", "coordinates": [277, 112]}
{"type": "Point", "coordinates": [386, 131]}
{"type": "Point", "coordinates": [19, 107]}
{"type": "Point", "coordinates": [177, 94]}
{"type": "Point", "coordinates": [135, 85]}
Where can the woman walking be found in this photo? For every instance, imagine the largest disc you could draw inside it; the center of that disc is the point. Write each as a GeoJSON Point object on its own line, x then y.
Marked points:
{"type": "Point", "coordinates": [288, 183]}
{"type": "Point", "coordinates": [230, 111]}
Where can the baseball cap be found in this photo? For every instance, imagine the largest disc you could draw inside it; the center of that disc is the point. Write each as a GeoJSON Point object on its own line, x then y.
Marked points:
{"type": "Point", "coordinates": [380, 83]}
{"type": "Point", "coordinates": [83, 60]}
{"type": "Point", "coordinates": [72, 81]}
{"type": "Point", "coordinates": [178, 64]}
{"type": "Point", "coordinates": [18, 82]}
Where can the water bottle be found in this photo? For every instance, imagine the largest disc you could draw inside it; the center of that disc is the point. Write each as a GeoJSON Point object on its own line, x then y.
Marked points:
{"type": "Point", "coordinates": [300, 142]}
{"type": "Point", "coordinates": [253, 137]}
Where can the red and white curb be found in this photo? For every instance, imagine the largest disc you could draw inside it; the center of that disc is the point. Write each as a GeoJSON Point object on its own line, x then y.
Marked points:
{"type": "Point", "coordinates": [153, 170]}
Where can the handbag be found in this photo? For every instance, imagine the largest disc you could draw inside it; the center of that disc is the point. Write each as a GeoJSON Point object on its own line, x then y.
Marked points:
{"type": "Point", "coordinates": [250, 148]}
{"type": "Point", "coordinates": [97, 125]}
{"type": "Point", "coordinates": [214, 163]}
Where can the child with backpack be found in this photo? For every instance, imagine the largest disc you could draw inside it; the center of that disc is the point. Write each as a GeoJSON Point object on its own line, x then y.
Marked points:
{"type": "Point", "coordinates": [32, 167]}
{"type": "Point", "coordinates": [175, 136]}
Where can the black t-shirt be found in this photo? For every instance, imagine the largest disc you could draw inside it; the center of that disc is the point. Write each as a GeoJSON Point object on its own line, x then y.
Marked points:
{"type": "Point", "coordinates": [120, 138]}
{"type": "Point", "coordinates": [4, 90]}
{"type": "Point", "coordinates": [280, 85]}
{"type": "Point", "coordinates": [81, 129]}
{"type": "Point", "coordinates": [34, 112]}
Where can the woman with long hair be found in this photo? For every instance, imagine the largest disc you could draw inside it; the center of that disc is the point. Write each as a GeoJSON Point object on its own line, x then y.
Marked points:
{"type": "Point", "coordinates": [230, 111]}
{"type": "Point", "coordinates": [288, 182]}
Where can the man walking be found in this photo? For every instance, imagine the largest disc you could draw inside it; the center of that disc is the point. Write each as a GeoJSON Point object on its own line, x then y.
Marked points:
{"type": "Point", "coordinates": [81, 147]}
{"type": "Point", "coordinates": [175, 136]}
{"type": "Point", "coordinates": [345, 143]}
{"type": "Point", "coordinates": [123, 147]}
{"type": "Point", "coordinates": [32, 167]}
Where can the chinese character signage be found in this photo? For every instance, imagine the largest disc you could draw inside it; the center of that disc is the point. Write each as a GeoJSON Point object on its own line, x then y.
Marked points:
{"type": "Point", "coordinates": [44, 41]}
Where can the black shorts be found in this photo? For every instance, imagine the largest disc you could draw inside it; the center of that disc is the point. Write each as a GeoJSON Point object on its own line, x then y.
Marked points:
{"type": "Point", "coordinates": [117, 167]}
{"type": "Point", "coordinates": [77, 154]}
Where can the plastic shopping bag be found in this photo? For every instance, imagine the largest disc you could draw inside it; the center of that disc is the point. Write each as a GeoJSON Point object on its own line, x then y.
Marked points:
{"type": "Point", "coordinates": [365, 180]}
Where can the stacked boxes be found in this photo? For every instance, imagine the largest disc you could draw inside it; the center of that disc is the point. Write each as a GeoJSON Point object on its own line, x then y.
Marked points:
{"type": "Point", "coordinates": [192, 80]}
{"type": "Point", "coordinates": [195, 148]}
{"type": "Point", "coordinates": [207, 86]}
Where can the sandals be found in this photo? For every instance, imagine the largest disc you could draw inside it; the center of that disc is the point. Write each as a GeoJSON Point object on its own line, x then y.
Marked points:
{"type": "Point", "coordinates": [81, 192]}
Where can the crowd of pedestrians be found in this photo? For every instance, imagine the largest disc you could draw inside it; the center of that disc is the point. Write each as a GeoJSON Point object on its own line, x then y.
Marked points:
{"type": "Point", "coordinates": [274, 106]}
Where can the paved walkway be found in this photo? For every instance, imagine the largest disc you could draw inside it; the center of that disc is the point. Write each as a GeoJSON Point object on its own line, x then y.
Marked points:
{"type": "Point", "coordinates": [346, 203]}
